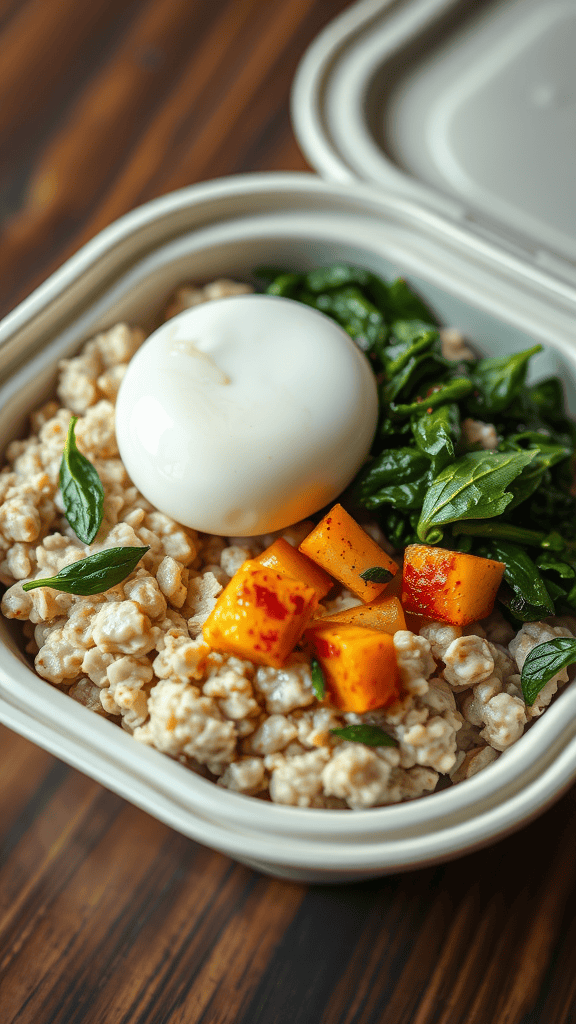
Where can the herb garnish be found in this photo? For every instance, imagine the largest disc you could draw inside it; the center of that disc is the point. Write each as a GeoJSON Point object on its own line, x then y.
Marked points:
{"type": "Point", "coordinates": [370, 735]}
{"type": "Point", "coordinates": [94, 574]}
{"type": "Point", "coordinates": [543, 662]}
{"type": "Point", "coordinates": [82, 490]}
{"type": "Point", "coordinates": [376, 574]}
{"type": "Point", "coordinates": [318, 681]}
{"type": "Point", "coordinates": [424, 480]}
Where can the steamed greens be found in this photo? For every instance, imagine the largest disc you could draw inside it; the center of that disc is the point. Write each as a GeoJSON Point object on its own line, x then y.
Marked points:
{"type": "Point", "coordinates": [423, 482]}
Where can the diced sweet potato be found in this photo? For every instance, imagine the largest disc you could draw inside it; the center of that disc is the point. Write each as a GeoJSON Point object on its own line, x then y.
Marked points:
{"type": "Point", "coordinates": [345, 550]}
{"type": "Point", "coordinates": [448, 585]}
{"type": "Point", "coordinates": [261, 615]}
{"type": "Point", "coordinates": [359, 665]}
{"type": "Point", "coordinates": [282, 557]}
{"type": "Point", "coordinates": [385, 614]}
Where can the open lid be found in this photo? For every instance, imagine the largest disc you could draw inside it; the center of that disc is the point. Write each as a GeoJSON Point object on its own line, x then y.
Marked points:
{"type": "Point", "coordinates": [468, 107]}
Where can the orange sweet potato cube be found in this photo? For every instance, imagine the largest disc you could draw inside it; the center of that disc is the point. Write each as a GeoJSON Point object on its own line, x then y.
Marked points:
{"type": "Point", "coordinates": [282, 557]}
{"type": "Point", "coordinates": [260, 615]}
{"type": "Point", "coordinates": [345, 550]}
{"type": "Point", "coordinates": [359, 665]}
{"type": "Point", "coordinates": [449, 586]}
{"type": "Point", "coordinates": [385, 614]}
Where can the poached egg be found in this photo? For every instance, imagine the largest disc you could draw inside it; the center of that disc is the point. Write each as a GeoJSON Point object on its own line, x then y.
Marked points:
{"type": "Point", "coordinates": [243, 415]}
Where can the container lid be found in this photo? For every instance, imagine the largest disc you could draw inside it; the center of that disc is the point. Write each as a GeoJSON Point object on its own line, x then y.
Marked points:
{"type": "Point", "coordinates": [468, 107]}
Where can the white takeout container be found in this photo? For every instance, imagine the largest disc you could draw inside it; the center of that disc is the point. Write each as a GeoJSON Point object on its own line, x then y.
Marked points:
{"type": "Point", "coordinates": [502, 299]}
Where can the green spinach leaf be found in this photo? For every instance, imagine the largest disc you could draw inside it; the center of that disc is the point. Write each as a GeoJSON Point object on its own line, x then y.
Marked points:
{"type": "Point", "coordinates": [398, 477]}
{"type": "Point", "coordinates": [94, 574]}
{"type": "Point", "coordinates": [549, 562]}
{"type": "Point", "coordinates": [546, 455]}
{"type": "Point", "coordinates": [420, 370]}
{"type": "Point", "coordinates": [392, 466]}
{"type": "Point", "coordinates": [338, 275]}
{"type": "Point", "coordinates": [498, 380]}
{"type": "Point", "coordinates": [82, 490]}
{"type": "Point", "coordinates": [437, 433]}
{"type": "Point", "coordinates": [548, 397]}
{"type": "Point", "coordinates": [436, 394]}
{"type": "Point", "coordinates": [370, 735]}
{"type": "Point", "coordinates": [353, 311]}
{"type": "Point", "coordinates": [543, 662]}
{"type": "Point", "coordinates": [413, 338]}
{"type": "Point", "coordinates": [474, 486]}
{"type": "Point", "coordinates": [404, 304]}
{"type": "Point", "coordinates": [528, 598]}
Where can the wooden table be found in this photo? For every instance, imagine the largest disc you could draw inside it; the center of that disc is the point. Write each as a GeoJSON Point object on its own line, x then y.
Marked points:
{"type": "Point", "coordinates": [107, 916]}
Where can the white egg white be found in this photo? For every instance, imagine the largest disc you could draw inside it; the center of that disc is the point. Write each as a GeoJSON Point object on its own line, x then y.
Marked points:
{"type": "Point", "coordinates": [243, 415]}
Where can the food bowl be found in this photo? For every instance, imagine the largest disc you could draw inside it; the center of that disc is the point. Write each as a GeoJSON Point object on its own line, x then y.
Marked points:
{"type": "Point", "coordinates": [226, 228]}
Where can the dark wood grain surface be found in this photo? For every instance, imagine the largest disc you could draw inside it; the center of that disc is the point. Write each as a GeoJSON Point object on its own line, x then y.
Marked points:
{"type": "Point", "coordinates": [106, 915]}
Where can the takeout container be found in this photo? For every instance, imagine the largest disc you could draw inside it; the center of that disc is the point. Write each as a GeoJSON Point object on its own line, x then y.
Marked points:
{"type": "Point", "coordinates": [503, 301]}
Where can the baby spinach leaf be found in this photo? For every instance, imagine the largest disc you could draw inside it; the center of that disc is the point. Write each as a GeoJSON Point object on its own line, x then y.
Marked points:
{"type": "Point", "coordinates": [427, 365]}
{"type": "Point", "coordinates": [526, 413]}
{"type": "Point", "coordinates": [318, 681]}
{"type": "Point", "coordinates": [393, 466]}
{"type": "Point", "coordinates": [498, 380]}
{"type": "Point", "coordinates": [406, 496]}
{"type": "Point", "coordinates": [437, 394]}
{"type": "Point", "coordinates": [548, 397]}
{"type": "Point", "coordinates": [553, 541]}
{"type": "Point", "coordinates": [391, 433]}
{"type": "Point", "coordinates": [436, 433]}
{"type": "Point", "coordinates": [556, 591]}
{"type": "Point", "coordinates": [543, 662]}
{"type": "Point", "coordinates": [398, 527]}
{"type": "Point", "coordinates": [376, 574]}
{"type": "Point", "coordinates": [370, 735]}
{"type": "Point", "coordinates": [546, 455]}
{"type": "Point", "coordinates": [571, 596]}
{"type": "Point", "coordinates": [353, 311]}
{"type": "Point", "coordinates": [471, 487]}
{"type": "Point", "coordinates": [94, 574]}
{"type": "Point", "coordinates": [407, 332]}
{"type": "Point", "coordinates": [528, 598]}
{"type": "Point", "coordinates": [396, 356]}
{"type": "Point", "coordinates": [549, 562]}
{"type": "Point", "coordinates": [398, 477]}
{"type": "Point", "coordinates": [552, 508]}
{"type": "Point", "coordinates": [82, 490]}
{"type": "Point", "coordinates": [403, 304]}
{"type": "Point", "coordinates": [540, 440]}
{"type": "Point", "coordinates": [323, 279]}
